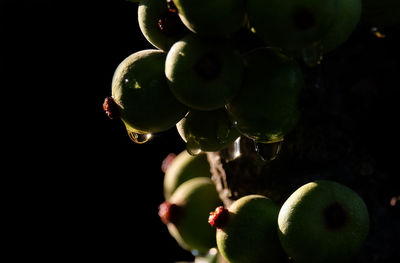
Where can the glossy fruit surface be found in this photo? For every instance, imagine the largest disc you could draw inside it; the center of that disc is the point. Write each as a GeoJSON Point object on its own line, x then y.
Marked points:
{"type": "Point", "coordinates": [346, 20]}
{"type": "Point", "coordinates": [266, 107]}
{"type": "Point", "coordinates": [292, 24]}
{"type": "Point", "coordinates": [161, 27]}
{"type": "Point", "coordinates": [140, 90]}
{"type": "Point", "coordinates": [323, 221]}
{"type": "Point", "coordinates": [183, 168]}
{"type": "Point", "coordinates": [207, 131]}
{"type": "Point", "coordinates": [210, 17]}
{"type": "Point", "coordinates": [203, 74]}
{"type": "Point", "coordinates": [249, 234]}
{"type": "Point", "coordinates": [194, 199]}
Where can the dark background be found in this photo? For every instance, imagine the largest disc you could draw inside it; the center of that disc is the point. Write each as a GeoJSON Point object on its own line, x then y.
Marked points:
{"type": "Point", "coordinates": [79, 187]}
{"type": "Point", "coordinates": [75, 187]}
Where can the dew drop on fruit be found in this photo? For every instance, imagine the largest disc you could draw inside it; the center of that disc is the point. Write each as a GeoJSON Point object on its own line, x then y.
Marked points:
{"type": "Point", "coordinates": [232, 152]}
{"type": "Point", "coordinates": [139, 138]}
{"type": "Point", "coordinates": [313, 55]}
{"type": "Point", "coordinates": [268, 151]}
{"type": "Point", "coordinates": [193, 148]}
{"type": "Point", "coordinates": [376, 31]}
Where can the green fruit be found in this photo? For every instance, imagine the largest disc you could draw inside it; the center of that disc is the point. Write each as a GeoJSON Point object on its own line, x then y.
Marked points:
{"type": "Point", "coordinates": [380, 13]}
{"type": "Point", "coordinates": [203, 74]}
{"type": "Point", "coordinates": [186, 213]}
{"type": "Point", "coordinates": [247, 233]}
{"type": "Point", "coordinates": [210, 17]}
{"type": "Point", "coordinates": [161, 27]}
{"type": "Point", "coordinates": [207, 131]}
{"type": "Point", "coordinates": [142, 96]}
{"type": "Point", "coordinates": [291, 25]}
{"type": "Point", "coordinates": [183, 168]}
{"type": "Point", "coordinates": [266, 107]}
{"type": "Point", "coordinates": [346, 20]}
{"type": "Point", "coordinates": [323, 221]}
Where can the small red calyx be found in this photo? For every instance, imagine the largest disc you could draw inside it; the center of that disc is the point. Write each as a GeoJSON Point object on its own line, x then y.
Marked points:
{"type": "Point", "coordinates": [171, 6]}
{"type": "Point", "coordinates": [168, 212]}
{"type": "Point", "coordinates": [111, 108]}
{"type": "Point", "coordinates": [167, 161]}
{"type": "Point", "coordinates": [219, 217]}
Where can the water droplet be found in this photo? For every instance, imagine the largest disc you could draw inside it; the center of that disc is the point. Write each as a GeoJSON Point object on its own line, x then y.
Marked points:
{"type": "Point", "coordinates": [193, 147]}
{"type": "Point", "coordinates": [313, 55]}
{"type": "Point", "coordinates": [268, 151]}
{"type": "Point", "coordinates": [232, 152]}
{"type": "Point", "coordinates": [139, 138]}
{"type": "Point", "coordinates": [376, 31]}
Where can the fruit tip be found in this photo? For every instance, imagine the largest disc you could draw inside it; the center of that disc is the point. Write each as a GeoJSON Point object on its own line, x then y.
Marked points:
{"type": "Point", "coordinates": [218, 217]}
{"type": "Point", "coordinates": [168, 212]}
{"type": "Point", "coordinates": [111, 108]}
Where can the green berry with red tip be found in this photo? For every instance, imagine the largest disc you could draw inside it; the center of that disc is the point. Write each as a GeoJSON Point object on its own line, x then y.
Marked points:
{"type": "Point", "coordinates": [140, 94]}
{"type": "Point", "coordinates": [185, 213]}
{"type": "Point", "coordinates": [247, 230]}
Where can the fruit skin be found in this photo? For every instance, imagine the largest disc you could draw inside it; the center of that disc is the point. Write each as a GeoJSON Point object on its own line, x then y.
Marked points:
{"type": "Point", "coordinates": [210, 17]}
{"type": "Point", "coordinates": [149, 14]}
{"type": "Point", "coordinates": [203, 74]}
{"type": "Point", "coordinates": [266, 107]}
{"type": "Point", "coordinates": [291, 25]}
{"type": "Point", "coordinates": [207, 131]}
{"type": "Point", "coordinates": [195, 199]}
{"type": "Point", "coordinates": [139, 88]}
{"type": "Point", "coordinates": [183, 168]}
{"type": "Point", "coordinates": [309, 233]}
{"type": "Point", "coordinates": [346, 20]}
{"type": "Point", "coordinates": [250, 233]}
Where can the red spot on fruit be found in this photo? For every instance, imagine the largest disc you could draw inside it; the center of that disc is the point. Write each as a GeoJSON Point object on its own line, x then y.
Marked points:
{"type": "Point", "coordinates": [168, 212]}
{"type": "Point", "coordinates": [219, 217]}
{"type": "Point", "coordinates": [111, 108]}
{"type": "Point", "coordinates": [167, 161]}
{"type": "Point", "coordinates": [171, 6]}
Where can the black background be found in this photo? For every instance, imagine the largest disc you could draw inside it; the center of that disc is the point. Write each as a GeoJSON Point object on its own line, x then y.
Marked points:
{"type": "Point", "coordinates": [79, 188]}
{"type": "Point", "coordinates": [75, 187]}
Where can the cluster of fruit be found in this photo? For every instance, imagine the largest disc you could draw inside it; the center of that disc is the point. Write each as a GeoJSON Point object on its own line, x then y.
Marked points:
{"type": "Point", "coordinates": [222, 69]}
{"type": "Point", "coordinates": [225, 69]}
{"type": "Point", "coordinates": [322, 221]}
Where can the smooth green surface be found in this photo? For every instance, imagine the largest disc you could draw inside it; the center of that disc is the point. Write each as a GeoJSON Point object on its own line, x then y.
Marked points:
{"type": "Point", "coordinates": [197, 197]}
{"type": "Point", "coordinates": [250, 235]}
{"type": "Point", "coordinates": [149, 13]}
{"type": "Point", "coordinates": [346, 20]}
{"type": "Point", "coordinates": [140, 89]}
{"type": "Point", "coordinates": [211, 17]}
{"type": "Point", "coordinates": [183, 168]}
{"type": "Point", "coordinates": [190, 87]}
{"type": "Point", "coordinates": [266, 107]}
{"type": "Point", "coordinates": [274, 21]}
{"type": "Point", "coordinates": [302, 227]}
{"type": "Point", "coordinates": [207, 131]}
